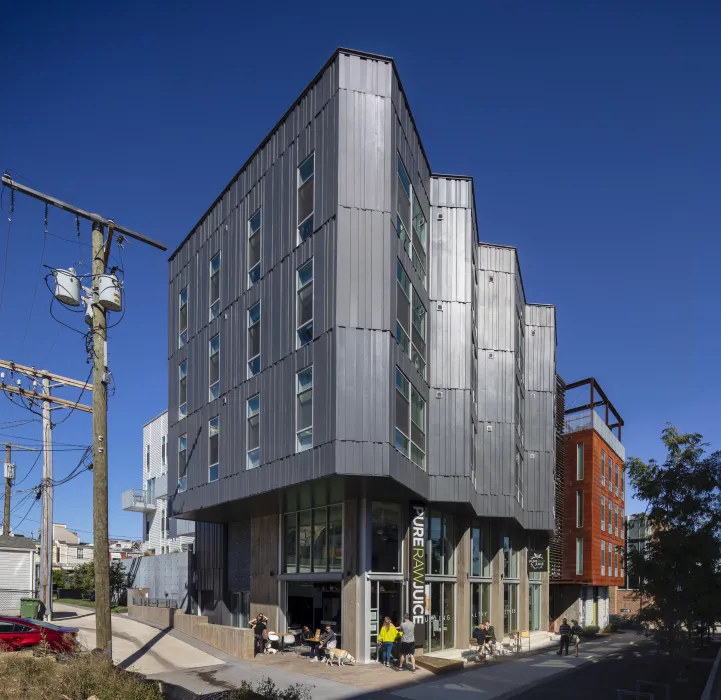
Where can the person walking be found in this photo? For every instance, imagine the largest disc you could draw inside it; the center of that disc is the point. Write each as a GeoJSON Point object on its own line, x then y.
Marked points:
{"type": "Point", "coordinates": [576, 633]}
{"type": "Point", "coordinates": [386, 638]}
{"type": "Point", "coordinates": [408, 644]}
{"type": "Point", "coordinates": [565, 632]}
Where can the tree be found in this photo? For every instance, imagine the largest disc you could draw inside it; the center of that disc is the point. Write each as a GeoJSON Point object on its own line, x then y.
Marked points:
{"type": "Point", "coordinates": [83, 578]}
{"type": "Point", "coordinates": [679, 570]}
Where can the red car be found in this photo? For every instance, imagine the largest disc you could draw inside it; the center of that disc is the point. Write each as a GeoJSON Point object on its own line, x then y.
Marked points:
{"type": "Point", "coordinates": [23, 633]}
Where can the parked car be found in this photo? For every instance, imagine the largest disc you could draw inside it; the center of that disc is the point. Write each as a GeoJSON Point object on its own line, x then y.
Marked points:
{"type": "Point", "coordinates": [23, 633]}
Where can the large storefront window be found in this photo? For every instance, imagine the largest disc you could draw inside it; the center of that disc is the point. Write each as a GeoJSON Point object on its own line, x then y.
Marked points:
{"type": "Point", "coordinates": [386, 537]}
{"type": "Point", "coordinates": [441, 620]}
{"type": "Point", "coordinates": [440, 544]}
{"type": "Point", "coordinates": [510, 559]}
{"type": "Point", "coordinates": [313, 540]}
{"type": "Point", "coordinates": [481, 551]}
{"type": "Point", "coordinates": [480, 603]}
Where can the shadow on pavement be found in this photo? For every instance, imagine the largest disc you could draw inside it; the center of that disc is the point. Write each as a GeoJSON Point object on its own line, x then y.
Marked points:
{"type": "Point", "coordinates": [126, 663]}
{"type": "Point", "coordinates": [70, 615]}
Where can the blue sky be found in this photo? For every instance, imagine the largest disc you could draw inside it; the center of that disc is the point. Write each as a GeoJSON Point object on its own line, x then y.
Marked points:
{"type": "Point", "coordinates": [591, 130]}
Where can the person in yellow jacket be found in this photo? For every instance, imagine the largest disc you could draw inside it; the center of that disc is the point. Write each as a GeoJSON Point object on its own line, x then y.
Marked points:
{"type": "Point", "coordinates": [386, 639]}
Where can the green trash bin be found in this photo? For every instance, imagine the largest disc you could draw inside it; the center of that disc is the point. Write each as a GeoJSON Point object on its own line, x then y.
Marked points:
{"type": "Point", "coordinates": [32, 608]}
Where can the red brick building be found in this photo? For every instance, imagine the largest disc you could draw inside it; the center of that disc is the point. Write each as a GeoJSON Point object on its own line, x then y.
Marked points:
{"type": "Point", "coordinates": [592, 524]}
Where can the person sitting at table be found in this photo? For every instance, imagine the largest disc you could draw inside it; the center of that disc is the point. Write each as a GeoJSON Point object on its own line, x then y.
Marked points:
{"type": "Point", "coordinates": [260, 630]}
{"type": "Point", "coordinates": [325, 639]}
{"type": "Point", "coordinates": [479, 634]}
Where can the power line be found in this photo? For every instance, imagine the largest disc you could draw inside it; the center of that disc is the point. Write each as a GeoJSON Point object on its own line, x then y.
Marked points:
{"type": "Point", "coordinates": [7, 247]}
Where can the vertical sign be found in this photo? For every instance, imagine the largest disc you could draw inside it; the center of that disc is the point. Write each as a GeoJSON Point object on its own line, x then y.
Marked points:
{"type": "Point", "coordinates": [417, 589]}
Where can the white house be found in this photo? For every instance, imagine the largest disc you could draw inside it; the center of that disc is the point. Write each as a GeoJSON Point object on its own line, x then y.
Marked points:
{"type": "Point", "coordinates": [152, 499]}
{"type": "Point", "coordinates": [17, 572]}
{"type": "Point", "coordinates": [68, 550]}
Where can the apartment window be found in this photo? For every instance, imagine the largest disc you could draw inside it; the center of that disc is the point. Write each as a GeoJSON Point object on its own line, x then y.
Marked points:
{"type": "Point", "coordinates": [253, 431]}
{"type": "Point", "coordinates": [609, 561]}
{"type": "Point", "coordinates": [519, 409]}
{"type": "Point", "coordinates": [214, 367]}
{"type": "Point", "coordinates": [254, 224]}
{"type": "Point", "coordinates": [304, 409]}
{"type": "Point", "coordinates": [520, 341]}
{"type": "Point", "coordinates": [410, 421]}
{"type": "Point", "coordinates": [306, 197]}
{"type": "Point", "coordinates": [610, 473]}
{"type": "Point", "coordinates": [615, 520]}
{"type": "Point", "coordinates": [615, 561]}
{"type": "Point", "coordinates": [579, 508]}
{"type": "Point", "coordinates": [254, 340]}
{"type": "Point", "coordinates": [623, 484]}
{"type": "Point", "coordinates": [147, 458]}
{"type": "Point", "coordinates": [405, 213]}
{"type": "Point", "coordinates": [510, 559]}
{"type": "Point", "coordinates": [213, 455]}
{"type": "Point", "coordinates": [411, 321]}
{"type": "Point", "coordinates": [215, 286]}
{"type": "Point", "coordinates": [182, 462]}
{"type": "Point", "coordinates": [609, 524]}
{"type": "Point", "coordinates": [615, 476]}
{"type": "Point", "coordinates": [603, 468]}
{"type": "Point", "coordinates": [164, 450]}
{"type": "Point", "coordinates": [304, 303]}
{"type": "Point", "coordinates": [518, 476]}
{"type": "Point", "coordinates": [603, 513]}
{"type": "Point", "coordinates": [579, 555]}
{"type": "Point", "coordinates": [183, 389]}
{"type": "Point", "coordinates": [579, 461]}
{"type": "Point", "coordinates": [183, 317]}
{"type": "Point", "coordinates": [603, 557]}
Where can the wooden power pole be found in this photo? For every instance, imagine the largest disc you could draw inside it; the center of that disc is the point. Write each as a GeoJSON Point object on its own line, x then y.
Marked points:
{"type": "Point", "coordinates": [46, 485]}
{"type": "Point", "coordinates": [101, 378]}
{"type": "Point", "coordinates": [8, 485]}
{"type": "Point", "coordinates": [103, 638]}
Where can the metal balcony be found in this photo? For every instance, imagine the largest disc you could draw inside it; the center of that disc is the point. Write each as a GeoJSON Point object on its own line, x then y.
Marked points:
{"type": "Point", "coordinates": [138, 501]}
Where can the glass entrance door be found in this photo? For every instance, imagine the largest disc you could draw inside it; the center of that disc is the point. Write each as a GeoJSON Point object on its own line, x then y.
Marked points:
{"type": "Point", "coordinates": [439, 634]}
{"type": "Point", "coordinates": [386, 601]}
{"type": "Point", "coordinates": [534, 606]}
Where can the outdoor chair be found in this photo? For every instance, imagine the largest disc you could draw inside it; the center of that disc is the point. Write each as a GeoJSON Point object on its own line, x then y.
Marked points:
{"type": "Point", "coordinates": [524, 635]}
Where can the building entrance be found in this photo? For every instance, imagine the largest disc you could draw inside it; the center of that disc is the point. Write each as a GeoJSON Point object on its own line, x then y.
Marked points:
{"type": "Point", "coordinates": [386, 601]}
{"type": "Point", "coordinates": [313, 604]}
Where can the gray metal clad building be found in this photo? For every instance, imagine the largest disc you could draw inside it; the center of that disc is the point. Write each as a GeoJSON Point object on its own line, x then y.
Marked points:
{"type": "Point", "coordinates": [342, 350]}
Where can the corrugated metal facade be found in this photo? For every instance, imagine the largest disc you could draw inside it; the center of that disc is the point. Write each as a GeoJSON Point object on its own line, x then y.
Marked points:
{"type": "Point", "coordinates": [355, 119]}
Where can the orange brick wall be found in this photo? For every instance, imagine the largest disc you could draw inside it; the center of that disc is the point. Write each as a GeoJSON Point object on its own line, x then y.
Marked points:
{"type": "Point", "coordinates": [592, 492]}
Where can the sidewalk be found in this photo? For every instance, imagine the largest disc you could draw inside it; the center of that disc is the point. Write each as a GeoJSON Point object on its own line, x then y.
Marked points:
{"type": "Point", "coordinates": [373, 682]}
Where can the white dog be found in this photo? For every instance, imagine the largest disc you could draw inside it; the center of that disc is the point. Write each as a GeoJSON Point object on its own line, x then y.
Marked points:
{"type": "Point", "coordinates": [269, 648]}
{"type": "Point", "coordinates": [340, 656]}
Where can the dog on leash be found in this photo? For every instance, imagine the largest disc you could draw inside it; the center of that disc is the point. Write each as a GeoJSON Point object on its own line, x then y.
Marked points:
{"type": "Point", "coordinates": [269, 648]}
{"type": "Point", "coordinates": [340, 656]}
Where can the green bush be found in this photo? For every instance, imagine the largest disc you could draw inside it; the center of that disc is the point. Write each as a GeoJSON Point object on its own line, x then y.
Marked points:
{"type": "Point", "coordinates": [610, 628]}
{"type": "Point", "coordinates": [591, 630]}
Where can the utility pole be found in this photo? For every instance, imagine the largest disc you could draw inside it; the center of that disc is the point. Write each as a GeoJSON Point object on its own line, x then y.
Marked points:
{"type": "Point", "coordinates": [46, 539]}
{"type": "Point", "coordinates": [46, 399]}
{"type": "Point", "coordinates": [8, 484]}
{"type": "Point", "coordinates": [101, 252]}
{"type": "Point", "coordinates": [103, 638]}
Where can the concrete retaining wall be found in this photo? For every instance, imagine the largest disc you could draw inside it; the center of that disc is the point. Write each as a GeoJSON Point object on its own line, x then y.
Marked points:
{"type": "Point", "coordinates": [232, 640]}
{"type": "Point", "coordinates": [157, 616]}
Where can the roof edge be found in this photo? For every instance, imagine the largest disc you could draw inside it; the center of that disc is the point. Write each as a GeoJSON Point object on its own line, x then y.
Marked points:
{"type": "Point", "coordinates": [294, 104]}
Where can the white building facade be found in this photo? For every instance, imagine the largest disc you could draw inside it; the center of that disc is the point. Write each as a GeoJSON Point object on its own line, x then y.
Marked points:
{"type": "Point", "coordinates": [152, 499]}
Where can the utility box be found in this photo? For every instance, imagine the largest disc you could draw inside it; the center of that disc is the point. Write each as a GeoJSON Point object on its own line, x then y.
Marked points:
{"type": "Point", "coordinates": [109, 292]}
{"type": "Point", "coordinates": [67, 287]}
{"type": "Point", "coordinates": [10, 471]}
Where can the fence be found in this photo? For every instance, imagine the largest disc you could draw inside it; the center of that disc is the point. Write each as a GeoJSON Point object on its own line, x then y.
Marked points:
{"type": "Point", "coordinates": [10, 600]}
{"type": "Point", "coordinates": [155, 602]}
